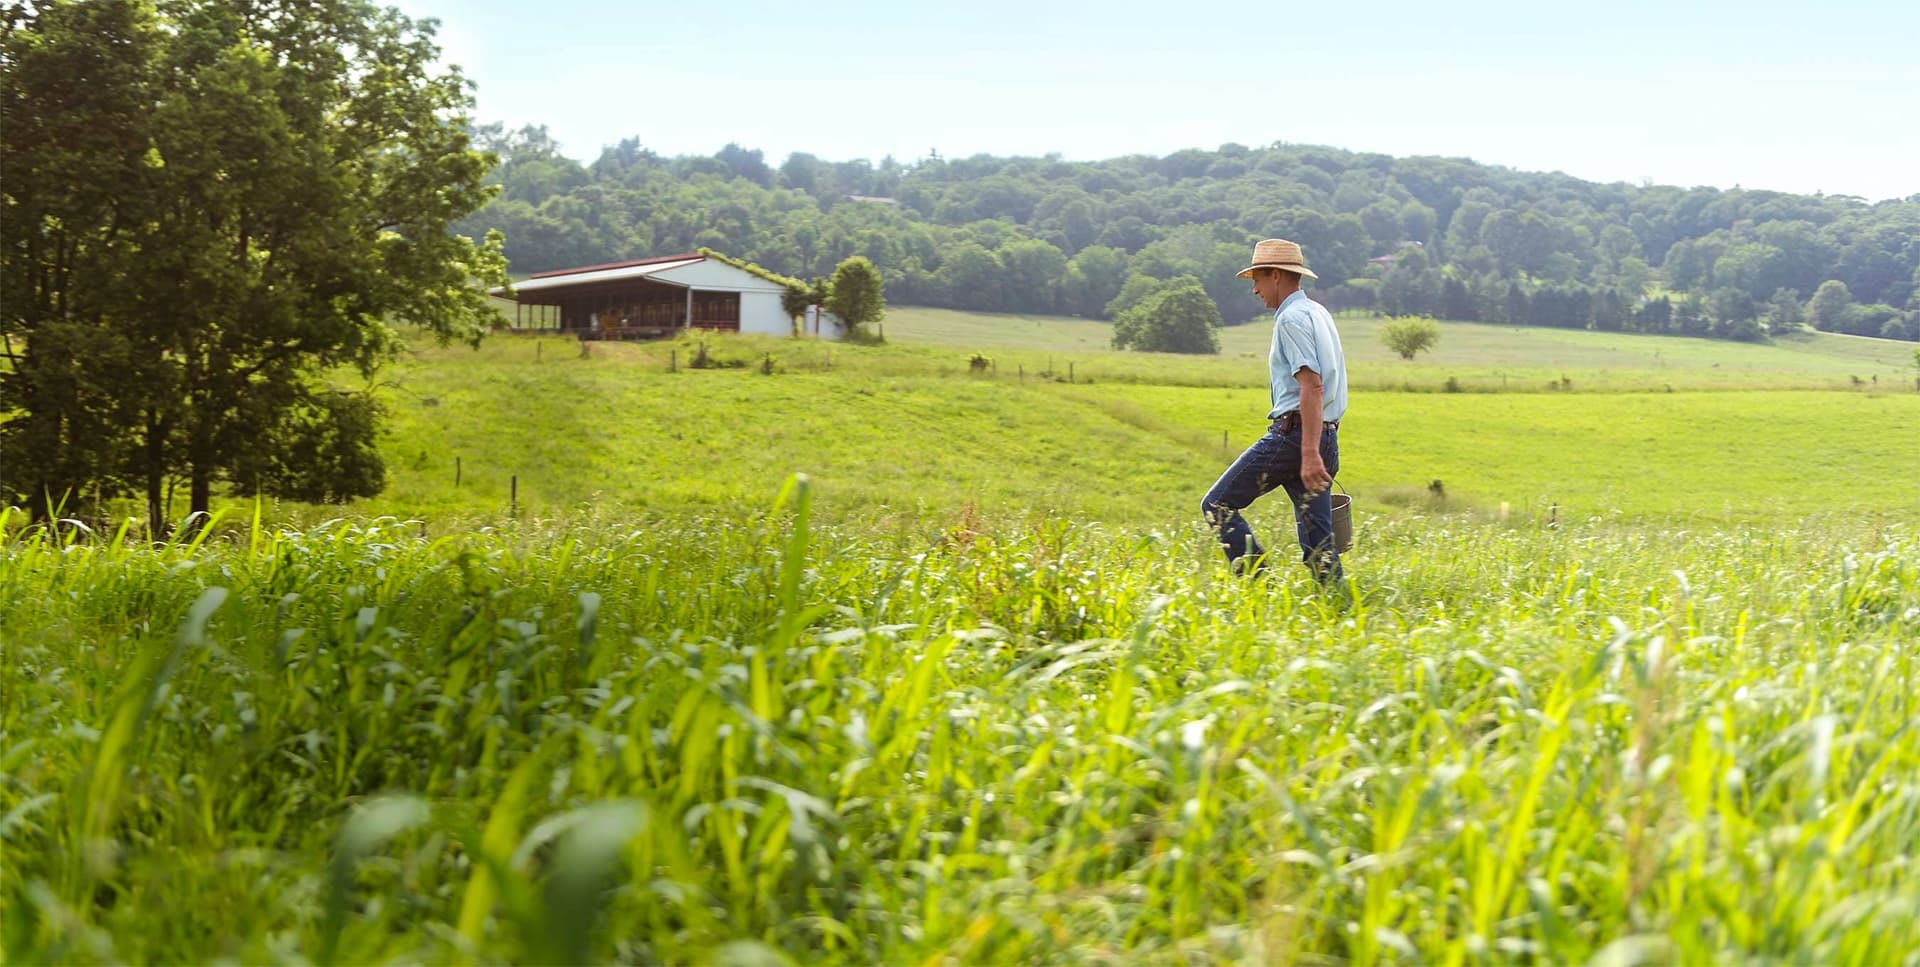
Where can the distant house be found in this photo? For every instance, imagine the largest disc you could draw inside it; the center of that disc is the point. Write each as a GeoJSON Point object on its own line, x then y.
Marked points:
{"type": "Point", "coordinates": [875, 199]}
{"type": "Point", "coordinates": [659, 296]}
{"type": "Point", "coordinates": [1394, 256]}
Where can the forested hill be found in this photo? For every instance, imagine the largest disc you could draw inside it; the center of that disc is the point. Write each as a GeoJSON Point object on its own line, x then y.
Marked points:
{"type": "Point", "coordinates": [1437, 236]}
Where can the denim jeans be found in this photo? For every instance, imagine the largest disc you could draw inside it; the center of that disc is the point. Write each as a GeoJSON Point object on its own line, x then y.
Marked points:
{"type": "Point", "coordinates": [1274, 461]}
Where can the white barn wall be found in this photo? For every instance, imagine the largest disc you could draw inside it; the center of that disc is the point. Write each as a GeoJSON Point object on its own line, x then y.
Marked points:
{"type": "Point", "coordinates": [715, 274]}
{"type": "Point", "coordinates": [760, 311]}
{"type": "Point", "coordinates": [760, 314]}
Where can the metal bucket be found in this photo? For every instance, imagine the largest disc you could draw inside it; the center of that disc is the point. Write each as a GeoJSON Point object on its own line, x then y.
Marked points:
{"type": "Point", "coordinates": [1343, 522]}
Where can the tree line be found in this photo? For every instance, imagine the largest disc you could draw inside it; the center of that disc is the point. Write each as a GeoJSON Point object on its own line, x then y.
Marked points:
{"type": "Point", "coordinates": [1422, 235]}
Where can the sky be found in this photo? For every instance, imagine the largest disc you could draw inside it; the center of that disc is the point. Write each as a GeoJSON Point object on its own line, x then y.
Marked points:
{"type": "Point", "coordinates": [1799, 97]}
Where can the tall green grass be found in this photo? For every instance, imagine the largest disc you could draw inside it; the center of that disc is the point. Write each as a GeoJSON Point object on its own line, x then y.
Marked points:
{"type": "Point", "coordinates": [767, 737]}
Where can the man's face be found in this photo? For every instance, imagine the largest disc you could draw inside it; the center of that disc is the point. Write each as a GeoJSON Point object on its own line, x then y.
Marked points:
{"type": "Point", "coordinates": [1266, 285]}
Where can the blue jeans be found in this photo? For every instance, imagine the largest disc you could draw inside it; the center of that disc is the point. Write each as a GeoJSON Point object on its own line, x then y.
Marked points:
{"type": "Point", "coordinates": [1274, 461]}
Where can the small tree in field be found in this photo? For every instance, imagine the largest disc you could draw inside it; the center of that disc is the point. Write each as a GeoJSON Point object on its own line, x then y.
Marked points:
{"type": "Point", "coordinates": [1410, 336]}
{"type": "Point", "coordinates": [794, 301]}
{"type": "Point", "coordinates": [856, 294]}
{"type": "Point", "coordinates": [1177, 318]}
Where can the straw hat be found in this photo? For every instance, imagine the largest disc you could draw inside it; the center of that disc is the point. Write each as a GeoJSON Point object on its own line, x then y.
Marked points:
{"type": "Point", "coordinates": [1278, 253]}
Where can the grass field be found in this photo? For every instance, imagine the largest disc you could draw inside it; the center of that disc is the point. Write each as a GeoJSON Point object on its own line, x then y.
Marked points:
{"type": "Point", "coordinates": [903, 433]}
{"type": "Point", "coordinates": [1481, 357]}
{"type": "Point", "coordinates": [980, 689]}
{"type": "Point", "coordinates": [724, 741]}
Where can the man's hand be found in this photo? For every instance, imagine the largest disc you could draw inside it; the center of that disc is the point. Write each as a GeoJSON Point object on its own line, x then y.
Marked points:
{"type": "Point", "coordinates": [1313, 472]}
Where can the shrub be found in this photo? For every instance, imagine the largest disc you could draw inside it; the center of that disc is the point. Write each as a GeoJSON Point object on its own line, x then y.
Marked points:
{"type": "Point", "coordinates": [1410, 335]}
{"type": "Point", "coordinates": [1178, 318]}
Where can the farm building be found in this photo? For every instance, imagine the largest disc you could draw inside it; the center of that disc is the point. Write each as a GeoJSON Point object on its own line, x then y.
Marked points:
{"type": "Point", "coordinates": [652, 297]}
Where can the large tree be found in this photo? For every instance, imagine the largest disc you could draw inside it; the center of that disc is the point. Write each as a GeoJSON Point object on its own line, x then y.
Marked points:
{"type": "Point", "coordinates": [1828, 307]}
{"type": "Point", "coordinates": [251, 194]}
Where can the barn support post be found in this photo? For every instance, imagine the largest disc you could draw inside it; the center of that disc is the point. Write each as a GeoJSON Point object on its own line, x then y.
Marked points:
{"type": "Point", "coordinates": [689, 324]}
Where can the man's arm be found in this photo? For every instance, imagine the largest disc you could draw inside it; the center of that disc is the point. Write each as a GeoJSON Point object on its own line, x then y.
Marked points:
{"type": "Point", "coordinates": [1313, 470]}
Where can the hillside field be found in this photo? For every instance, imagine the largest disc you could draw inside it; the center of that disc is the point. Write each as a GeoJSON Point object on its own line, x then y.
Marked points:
{"type": "Point", "coordinates": [906, 430]}
{"type": "Point", "coordinates": [1480, 356]}
{"type": "Point", "coordinates": [880, 659]}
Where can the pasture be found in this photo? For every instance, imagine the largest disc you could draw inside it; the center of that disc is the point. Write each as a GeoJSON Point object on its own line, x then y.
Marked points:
{"type": "Point", "coordinates": [1480, 357]}
{"type": "Point", "coordinates": [978, 689]}
{"type": "Point", "coordinates": [903, 432]}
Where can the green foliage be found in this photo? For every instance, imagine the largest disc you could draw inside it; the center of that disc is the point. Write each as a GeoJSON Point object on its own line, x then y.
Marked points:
{"type": "Point", "coordinates": [1094, 279]}
{"type": "Point", "coordinates": [320, 451]}
{"type": "Point", "coordinates": [1135, 291]}
{"type": "Point", "coordinates": [989, 234]}
{"type": "Point", "coordinates": [1410, 336]}
{"type": "Point", "coordinates": [1829, 305]}
{"type": "Point", "coordinates": [1177, 318]}
{"type": "Point", "coordinates": [857, 294]}
{"type": "Point", "coordinates": [795, 300]}
{"type": "Point", "coordinates": [429, 733]}
{"type": "Point", "coordinates": [1784, 313]}
{"type": "Point", "coordinates": [239, 201]}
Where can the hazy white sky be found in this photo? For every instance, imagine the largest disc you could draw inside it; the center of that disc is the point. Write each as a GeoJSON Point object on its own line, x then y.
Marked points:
{"type": "Point", "coordinates": [1799, 97]}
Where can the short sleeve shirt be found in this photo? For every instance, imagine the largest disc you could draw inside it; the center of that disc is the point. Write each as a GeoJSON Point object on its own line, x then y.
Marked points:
{"type": "Point", "coordinates": [1304, 338]}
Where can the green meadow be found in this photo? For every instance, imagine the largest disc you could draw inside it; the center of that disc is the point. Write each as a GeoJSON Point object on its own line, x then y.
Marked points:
{"type": "Point", "coordinates": [905, 430]}
{"type": "Point", "coordinates": [1634, 684]}
{"type": "Point", "coordinates": [1480, 357]}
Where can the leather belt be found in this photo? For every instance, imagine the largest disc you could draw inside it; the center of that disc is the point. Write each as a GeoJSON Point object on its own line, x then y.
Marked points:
{"type": "Point", "coordinates": [1290, 421]}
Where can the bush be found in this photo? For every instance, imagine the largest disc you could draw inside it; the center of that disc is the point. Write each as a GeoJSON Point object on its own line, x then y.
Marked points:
{"type": "Point", "coordinates": [856, 294]}
{"type": "Point", "coordinates": [705, 360]}
{"type": "Point", "coordinates": [1410, 335]}
{"type": "Point", "coordinates": [1178, 318]}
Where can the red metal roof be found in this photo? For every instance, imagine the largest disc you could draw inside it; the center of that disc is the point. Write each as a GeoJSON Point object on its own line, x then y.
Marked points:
{"type": "Point", "coordinates": [617, 265]}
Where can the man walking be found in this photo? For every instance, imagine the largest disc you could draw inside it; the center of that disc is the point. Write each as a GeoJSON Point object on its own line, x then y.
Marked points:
{"type": "Point", "coordinates": [1307, 378]}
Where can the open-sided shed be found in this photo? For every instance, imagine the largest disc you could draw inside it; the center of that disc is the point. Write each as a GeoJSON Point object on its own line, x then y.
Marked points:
{"type": "Point", "coordinates": [654, 297]}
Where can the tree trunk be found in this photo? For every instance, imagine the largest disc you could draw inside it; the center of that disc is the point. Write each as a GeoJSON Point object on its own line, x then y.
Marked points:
{"type": "Point", "coordinates": [155, 472]}
{"type": "Point", "coordinates": [200, 494]}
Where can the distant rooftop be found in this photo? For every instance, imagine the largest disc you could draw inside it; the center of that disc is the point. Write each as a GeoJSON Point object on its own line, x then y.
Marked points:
{"type": "Point", "coordinates": [687, 257]}
{"type": "Point", "coordinates": [610, 272]}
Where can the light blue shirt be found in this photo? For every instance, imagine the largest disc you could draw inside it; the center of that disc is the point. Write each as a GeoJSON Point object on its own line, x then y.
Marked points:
{"type": "Point", "coordinates": [1304, 337]}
